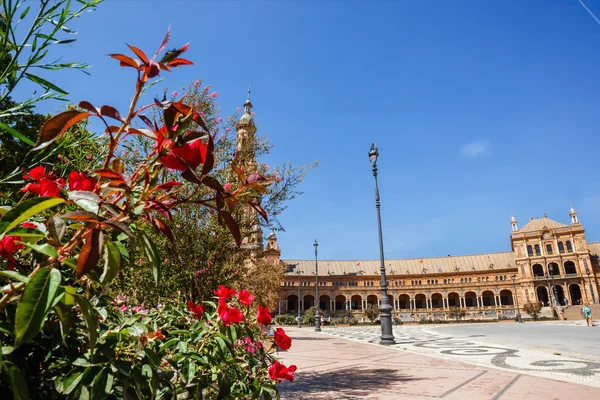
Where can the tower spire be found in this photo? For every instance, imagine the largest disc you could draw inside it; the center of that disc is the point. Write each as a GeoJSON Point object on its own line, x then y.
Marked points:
{"type": "Point", "coordinates": [573, 214]}
{"type": "Point", "coordinates": [513, 223]}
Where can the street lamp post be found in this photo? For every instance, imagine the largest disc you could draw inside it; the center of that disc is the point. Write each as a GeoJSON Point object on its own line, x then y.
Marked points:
{"type": "Point", "coordinates": [556, 303]}
{"type": "Point", "coordinates": [299, 317]}
{"type": "Point", "coordinates": [387, 335]}
{"type": "Point", "coordinates": [519, 320]}
{"type": "Point", "coordinates": [587, 271]}
{"type": "Point", "coordinates": [317, 302]}
{"type": "Point", "coordinates": [550, 296]}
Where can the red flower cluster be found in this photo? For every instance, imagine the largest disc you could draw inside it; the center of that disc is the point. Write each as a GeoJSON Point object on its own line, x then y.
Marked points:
{"type": "Point", "coordinates": [278, 372]}
{"type": "Point", "coordinates": [245, 297]}
{"type": "Point", "coordinates": [197, 309]}
{"type": "Point", "coordinates": [45, 185]}
{"type": "Point", "coordinates": [8, 247]}
{"type": "Point", "coordinates": [263, 316]}
{"type": "Point", "coordinates": [283, 341]}
{"type": "Point", "coordinates": [80, 181]}
{"type": "Point", "coordinates": [227, 314]}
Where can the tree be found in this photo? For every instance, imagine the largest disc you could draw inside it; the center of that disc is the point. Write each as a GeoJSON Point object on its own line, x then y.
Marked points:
{"type": "Point", "coordinates": [309, 316]}
{"type": "Point", "coordinates": [533, 309]}
{"type": "Point", "coordinates": [457, 313]}
{"type": "Point", "coordinates": [372, 312]}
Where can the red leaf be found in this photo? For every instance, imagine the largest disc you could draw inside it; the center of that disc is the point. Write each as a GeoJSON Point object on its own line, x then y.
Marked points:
{"type": "Point", "coordinates": [184, 109]}
{"type": "Point", "coordinates": [90, 252]}
{"type": "Point", "coordinates": [164, 42]}
{"type": "Point", "coordinates": [125, 61]}
{"type": "Point", "coordinates": [148, 122]}
{"type": "Point", "coordinates": [240, 174]}
{"type": "Point", "coordinates": [160, 226]}
{"type": "Point", "coordinates": [212, 183]}
{"type": "Point", "coordinates": [179, 61]}
{"type": "Point", "coordinates": [120, 226]}
{"type": "Point", "coordinates": [160, 207]}
{"type": "Point", "coordinates": [254, 178]}
{"type": "Point", "coordinates": [190, 175]}
{"type": "Point", "coordinates": [139, 53]}
{"type": "Point", "coordinates": [109, 111]}
{"type": "Point", "coordinates": [107, 173]}
{"type": "Point", "coordinates": [209, 161]}
{"type": "Point", "coordinates": [57, 125]}
{"type": "Point", "coordinates": [86, 105]}
{"type": "Point", "coordinates": [167, 186]}
{"type": "Point", "coordinates": [82, 216]}
{"type": "Point", "coordinates": [260, 210]}
{"type": "Point", "coordinates": [232, 225]}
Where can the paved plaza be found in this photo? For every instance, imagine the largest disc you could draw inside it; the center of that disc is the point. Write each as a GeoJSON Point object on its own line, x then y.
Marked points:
{"type": "Point", "coordinates": [546, 360]}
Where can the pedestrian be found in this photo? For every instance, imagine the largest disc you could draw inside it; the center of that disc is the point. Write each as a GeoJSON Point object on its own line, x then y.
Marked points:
{"type": "Point", "coordinates": [586, 311]}
{"type": "Point", "coordinates": [566, 302]}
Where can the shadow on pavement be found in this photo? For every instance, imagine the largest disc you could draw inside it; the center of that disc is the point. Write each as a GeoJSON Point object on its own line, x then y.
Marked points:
{"type": "Point", "coordinates": [348, 383]}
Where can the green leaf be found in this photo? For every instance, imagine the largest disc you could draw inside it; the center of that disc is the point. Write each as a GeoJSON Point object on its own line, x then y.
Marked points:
{"type": "Point", "coordinates": [44, 83]}
{"type": "Point", "coordinates": [222, 345]}
{"type": "Point", "coordinates": [27, 233]}
{"type": "Point", "coordinates": [16, 381]}
{"type": "Point", "coordinates": [87, 200]}
{"type": "Point", "coordinates": [35, 302]}
{"type": "Point", "coordinates": [26, 210]}
{"type": "Point", "coordinates": [16, 133]}
{"type": "Point", "coordinates": [14, 275]}
{"type": "Point", "coordinates": [71, 381]}
{"type": "Point", "coordinates": [233, 331]}
{"type": "Point", "coordinates": [7, 328]}
{"type": "Point", "coordinates": [151, 254]}
{"type": "Point", "coordinates": [102, 385]}
{"type": "Point", "coordinates": [112, 262]}
{"type": "Point", "coordinates": [90, 319]}
{"type": "Point", "coordinates": [65, 316]}
{"type": "Point", "coordinates": [45, 249]}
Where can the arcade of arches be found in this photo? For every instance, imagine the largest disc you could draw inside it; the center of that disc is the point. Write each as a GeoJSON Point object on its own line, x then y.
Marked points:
{"type": "Point", "coordinates": [549, 262]}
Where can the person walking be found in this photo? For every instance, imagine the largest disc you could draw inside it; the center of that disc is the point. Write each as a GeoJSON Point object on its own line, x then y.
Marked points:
{"type": "Point", "coordinates": [586, 311]}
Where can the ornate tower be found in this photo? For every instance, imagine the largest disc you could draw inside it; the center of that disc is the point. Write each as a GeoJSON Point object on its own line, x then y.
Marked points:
{"type": "Point", "coordinates": [245, 159]}
{"type": "Point", "coordinates": [573, 215]}
{"type": "Point", "coordinates": [272, 252]}
{"type": "Point", "coordinates": [513, 223]}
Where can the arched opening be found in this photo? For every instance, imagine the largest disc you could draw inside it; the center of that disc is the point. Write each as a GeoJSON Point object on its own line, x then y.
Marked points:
{"type": "Point", "coordinates": [560, 294]}
{"type": "Point", "coordinates": [538, 270]}
{"type": "Point", "coordinates": [340, 302]}
{"type": "Point", "coordinates": [575, 292]}
{"type": "Point", "coordinates": [488, 298]}
{"type": "Point", "coordinates": [569, 246]}
{"type": "Point", "coordinates": [570, 268]}
{"type": "Point", "coordinates": [542, 295]}
{"type": "Point", "coordinates": [420, 301]}
{"type": "Point", "coordinates": [537, 250]}
{"type": "Point", "coordinates": [325, 302]}
{"type": "Point", "coordinates": [453, 299]}
{"type": "Point", "coordinates": [561, 247]}
{"type": "Point", "coordinates": [470, 299]}
{"type": "Point", "coordinates": [292, 303]}
{"type": "Point", "coordinates": [506, 297]}
{"type": "Point", "coordinates": [404, 301]}
{"type": "Point", "coordinates": [356, 302]}
{"type": "Point", "coordinates": [372, 300]}
{"type": "Point", "coordinates": [553, 269]}
{"type": "Point", "coordinates": [309, 301]}
{"type": "Point", "coordinates": [437, 300]}
{"type": "Point", "coordinates": [390, 300]}
{"type": "Point", "coordinates": [529, 251]}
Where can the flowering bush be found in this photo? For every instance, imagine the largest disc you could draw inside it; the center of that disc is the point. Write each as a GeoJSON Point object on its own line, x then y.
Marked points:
{"type": "Point", "coordinates": [64, 241]}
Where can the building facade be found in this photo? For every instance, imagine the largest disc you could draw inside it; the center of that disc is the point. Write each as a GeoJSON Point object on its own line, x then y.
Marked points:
{"type": "Point", "coordinates": [549, 262]}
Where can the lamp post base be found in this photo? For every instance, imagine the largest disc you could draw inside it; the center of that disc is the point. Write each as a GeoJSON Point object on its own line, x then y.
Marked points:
{"type": "Point", "coordinates": [519, 319]}
{"type": "Point", "coordinates": [299, 321]}
{"type": "Point", "coordinates": [385, 316]}
{"type": "Point", "coordinates": [317, 322]}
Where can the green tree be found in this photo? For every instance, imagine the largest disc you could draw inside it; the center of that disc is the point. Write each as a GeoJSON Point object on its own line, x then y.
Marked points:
{"type": "Point", "coordinates": [533, 309]}
{"type": "Point", "coordinates": [457, 313]}
{"type": "Point", "coordinates": [372, 312]}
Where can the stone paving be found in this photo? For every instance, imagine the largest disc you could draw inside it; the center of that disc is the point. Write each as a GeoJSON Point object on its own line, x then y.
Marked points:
{"type": "Point", "coordinates": [343, 363]}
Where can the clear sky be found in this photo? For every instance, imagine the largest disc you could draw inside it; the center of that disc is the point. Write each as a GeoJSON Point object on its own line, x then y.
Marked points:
{"type": "Point", "coordinates": [479, 108]}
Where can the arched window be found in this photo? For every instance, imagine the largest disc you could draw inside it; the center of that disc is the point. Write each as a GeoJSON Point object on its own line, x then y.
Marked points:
{"type": "Point", "coordinates": [549, 249]}
{"type": "Point", "coordinates": [569, 247]}
{"type": "Point", "coordinates": [444, 281]}
{"type": "Point", "coordinates": [529, 251]}
{"type": "Point", "coordinates": [561, 247]}
{"type": "Point", "coordinates": [537, 250]}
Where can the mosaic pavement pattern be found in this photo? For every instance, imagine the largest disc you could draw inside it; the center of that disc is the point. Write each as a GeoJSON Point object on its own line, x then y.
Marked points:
{"type": "Point", "coordinates": [470, 349]}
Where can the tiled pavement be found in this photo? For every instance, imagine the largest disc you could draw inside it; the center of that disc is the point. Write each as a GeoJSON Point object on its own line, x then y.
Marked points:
{"type": "Point", "coordinates": [333, 367]}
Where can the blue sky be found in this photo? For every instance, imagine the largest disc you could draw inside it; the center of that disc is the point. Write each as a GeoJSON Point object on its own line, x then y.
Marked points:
{"type": "Point", "coordinates": [479, 109]}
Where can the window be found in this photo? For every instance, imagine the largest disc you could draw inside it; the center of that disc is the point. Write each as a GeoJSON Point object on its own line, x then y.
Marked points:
{"type": "Point", "coordinates": [569, 248]}
{"type": "Point", "coordinates": [529, 251]}
{"type": "Point", "coordinates": [444, 281]}
{"type": "Point", "coordinates": [561, 247]}
{"type": "Point", "coordinates": [537, 250]}
{"type": "Point", "coordinates": [549, 249]}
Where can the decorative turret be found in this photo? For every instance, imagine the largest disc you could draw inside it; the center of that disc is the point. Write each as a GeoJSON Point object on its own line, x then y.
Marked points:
{"type": "Point", "coordinates": [573, 214]}
{"type": "Point", "coordinates": [245, 126]}
{"type": "Point", "coordinates": [272, 251]}
{"type": "Point", "coordinates": [513, 223]}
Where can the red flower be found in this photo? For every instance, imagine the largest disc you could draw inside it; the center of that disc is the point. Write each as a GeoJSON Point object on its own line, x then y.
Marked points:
{"type": "Point", "coordinates": [29, 225]}
{"type": "Point", "coordinates": [283, 341]}
{"type": "Point", "coordinates": [80, 181]}
{"type": "Point", "coordinates": [8, 247]}
{"type": "Point", "coordinates": [245, 297]}
{"type": "Point", "coordinates": [224, 293]}
{"type": "Point", "coordinates": [192, 153]}
{"type": "Point", "coordinates": [228, 315]}
{"type": "Point", "coordinates": [46, 184]}
{"type": "Point", "coordinates": [278, 372]}
{"type": "Point", "coordinates": [197, 309]}
{"type": "Point", "coordinates": [263, 316]}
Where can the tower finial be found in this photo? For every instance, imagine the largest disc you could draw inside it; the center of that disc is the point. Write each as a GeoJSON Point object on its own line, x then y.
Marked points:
{"type": "Point", "coordinates": [249, 91]}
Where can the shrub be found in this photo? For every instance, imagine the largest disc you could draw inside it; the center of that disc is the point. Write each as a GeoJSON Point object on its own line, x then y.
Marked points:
{"type": "Point", "coordinates": [457, 313]}
{"type": "Point", "coordinates": [533, 309]}
{"type": "Point", "coordinates": [286, 319]}
{"type": "Point", "coordinates": [372, 312]}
